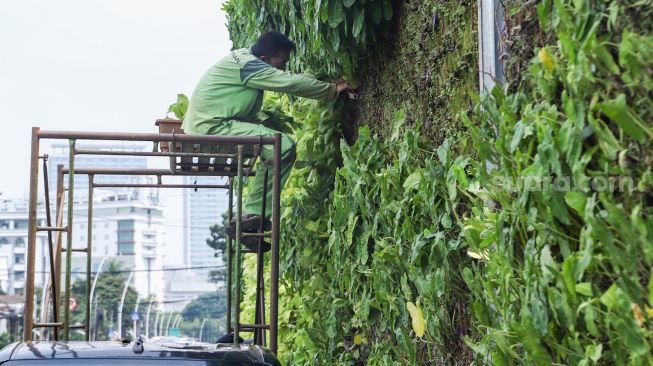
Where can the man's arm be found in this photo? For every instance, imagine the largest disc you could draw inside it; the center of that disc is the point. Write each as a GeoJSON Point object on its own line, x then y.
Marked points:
{"type": "Point", "coordinates": [266, 77]}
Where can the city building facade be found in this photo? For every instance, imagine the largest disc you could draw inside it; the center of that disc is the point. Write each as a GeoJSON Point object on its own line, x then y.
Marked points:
{"type": "Point", "coordinates": [202, 209]}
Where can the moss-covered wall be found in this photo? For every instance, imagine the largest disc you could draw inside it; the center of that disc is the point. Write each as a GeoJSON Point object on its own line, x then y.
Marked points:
{"type": "Point", "coordinates": [427, 65]}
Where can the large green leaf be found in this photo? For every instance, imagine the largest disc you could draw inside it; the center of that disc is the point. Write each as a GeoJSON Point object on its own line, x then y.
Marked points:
{"type": "Point", "coordinates": [618, 111]}
{"type": "Point", "coordinates": [359, 21]}
{"type": "Point", "coordinates": [336, 13]}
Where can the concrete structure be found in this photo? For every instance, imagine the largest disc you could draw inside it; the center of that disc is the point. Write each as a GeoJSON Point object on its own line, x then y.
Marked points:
{"type": "Point", "coordinates": [13, 242]}
{"type": "Point", "coordinates": [125, 228]}
{"type": "Point", "coordinates": [202, 208]}
{"type": "Point", "coordinates": [59, 155]}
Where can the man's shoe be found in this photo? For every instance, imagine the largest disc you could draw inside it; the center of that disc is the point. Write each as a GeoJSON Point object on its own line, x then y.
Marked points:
{"type": "Point", "coordinates": [251, 243]}
{"type": "Point", "coordinates": [251, 223]}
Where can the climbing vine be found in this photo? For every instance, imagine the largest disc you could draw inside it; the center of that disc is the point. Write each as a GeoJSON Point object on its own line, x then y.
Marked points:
{"type": "Point", "coordinates": [494, 246]}
{"type": "Point", "coordinates": [331, 35]}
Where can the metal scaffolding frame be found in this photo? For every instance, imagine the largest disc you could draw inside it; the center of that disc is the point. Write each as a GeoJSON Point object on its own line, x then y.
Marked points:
{"type": "Point", "coordinates": [190, 155]}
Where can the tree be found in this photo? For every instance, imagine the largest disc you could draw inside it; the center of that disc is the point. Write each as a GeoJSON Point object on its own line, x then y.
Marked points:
{"type": "Point", "coordinates": [212, 305]}
{"type": "Point", "coordinates": [218, 239]}
{"type": "Point", "coordinates": [108, 292]}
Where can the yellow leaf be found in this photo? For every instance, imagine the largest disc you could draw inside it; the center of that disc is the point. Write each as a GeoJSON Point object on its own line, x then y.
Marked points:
{"type": "Point", "coordinates": [478, 255]}
{"type": "Point", "coordinates": [546, 59]}
{"type": "Point", "coordinates": [358, 340]}
{"type": "Point", "coordinates": [637, 313]}
{"type": "Point", "coordinates": [417, 317]}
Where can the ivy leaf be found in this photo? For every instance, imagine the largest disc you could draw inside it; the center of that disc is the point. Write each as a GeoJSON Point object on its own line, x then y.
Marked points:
{"type": "Point", "coordinates": [417, 319]}
{"type": "Point", "coordinates": [318, 7]}
{"type": "Point", "coordinates": [546, 59]}
{"type": "Point", "coordinates": [376, 12]}
{"type": "Point", "coordinates": [576, 200]}
{"type": "Point", "coordinates": [335, 39]}
{"type": "Point", "coordinates": [413, 180]}
{"type": "Point", "coordinates": [398, 121]}
{"type": "Point", "coordinates": [632, 336]}
{"type": "Point", "coordinates": [387, 10]}
{"type": "Point", "coordinates": [618, 111]}
{"type": "Point", "coordinates": [611, 297]}
{"type": "Point", "coordinates": [336, 13]}
{"type": "Point", "coordinates": [359, 21]}
{"type": "Point", "coordinates": [348, 3]}
{"type": "Point", "coordinates": [584, 288]}
{"type": "Point", "coordinates": [594, 352]}
{"type": "Point", "coordinates": [180, 107]}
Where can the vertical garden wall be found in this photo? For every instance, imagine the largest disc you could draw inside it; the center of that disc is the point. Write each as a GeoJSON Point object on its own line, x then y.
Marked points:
{"type": "Point", "coordinates": [509, 228]}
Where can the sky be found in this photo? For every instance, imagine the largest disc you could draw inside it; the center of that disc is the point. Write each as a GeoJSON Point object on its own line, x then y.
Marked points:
{"type": "Point", "coordinates": [99, 65]}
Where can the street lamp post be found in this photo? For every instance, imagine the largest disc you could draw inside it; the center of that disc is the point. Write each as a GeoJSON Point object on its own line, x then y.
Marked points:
{"type": "Point", "coordinates": [122, 302]}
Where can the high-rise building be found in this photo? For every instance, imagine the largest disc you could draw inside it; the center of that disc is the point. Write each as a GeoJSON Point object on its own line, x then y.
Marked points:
{"type": "Point", "coordinates": [60, 156]}
{"type": "Point", "coordinates": [202, 209]}
{"type": "Point", "coordinates": [124, 229]}
{"type": "Point", "coordinates": [13, 247]}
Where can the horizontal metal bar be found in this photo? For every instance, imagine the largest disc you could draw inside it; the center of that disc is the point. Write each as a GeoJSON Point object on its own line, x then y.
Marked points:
{"type": "Point", "coordinates": [47, 325]}
{"type": "Point", "coordinates": [256, 235]}
{"type": "Point", "coordinates": [118, 185]}
{"type": "Point", "coordinates": [254, 326]}
{"type": "Point", "coordinates": [152, 153]}
{"type": "Point", "coordinates": [77, 326]}
{"type": "Point", "coordinates": [154, 137]}
{"type": "Point", "coordinates": [51, 228]}
{"type": "Point", "coordinates": [75, 250]}
{"type": "Point", "coordinates": [155, 172]}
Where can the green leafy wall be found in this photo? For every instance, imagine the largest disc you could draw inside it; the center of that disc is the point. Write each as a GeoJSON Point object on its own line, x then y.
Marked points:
{"type": "Point", "coordinates": [420, 243]}
{"type": "Point", "coordinates": [428, 66]}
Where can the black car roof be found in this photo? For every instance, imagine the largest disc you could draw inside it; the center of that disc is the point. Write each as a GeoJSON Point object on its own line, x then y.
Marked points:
{"type": "Point", "coordinates": [230, 354]}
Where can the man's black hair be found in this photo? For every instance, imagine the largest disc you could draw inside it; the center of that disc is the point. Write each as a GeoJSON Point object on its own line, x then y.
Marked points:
{"type": "Point", "coordinates": [269, 44]}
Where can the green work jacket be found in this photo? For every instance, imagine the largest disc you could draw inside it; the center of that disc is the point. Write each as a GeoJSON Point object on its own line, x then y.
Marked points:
{"type": "Point", "coordinates": [232, 89]}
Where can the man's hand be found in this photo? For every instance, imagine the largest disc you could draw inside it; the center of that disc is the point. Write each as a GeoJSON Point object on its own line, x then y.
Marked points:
{"type": "Point", "coordinates": [341, 85]}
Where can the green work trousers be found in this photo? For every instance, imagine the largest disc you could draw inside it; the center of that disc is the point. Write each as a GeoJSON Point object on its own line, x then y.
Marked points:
{"type": "Point", "coordinates": [252, 203]}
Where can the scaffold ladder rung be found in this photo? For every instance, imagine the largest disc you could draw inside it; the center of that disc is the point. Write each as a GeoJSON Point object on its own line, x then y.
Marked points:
{"type": "Point", "coordinates": [47, 325]}
{"type": "Point", "coordinates": [253, 327]}
{"type": "Point", "coordinates": [256, 235]}
{"type": "Point", "coordinates": [52, 228]}
{"type": "Point", "coordinates": [84, 250]}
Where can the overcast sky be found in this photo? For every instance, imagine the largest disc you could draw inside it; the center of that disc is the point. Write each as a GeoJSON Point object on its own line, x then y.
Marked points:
{"type": "Point", "coordinates": [97, 65]}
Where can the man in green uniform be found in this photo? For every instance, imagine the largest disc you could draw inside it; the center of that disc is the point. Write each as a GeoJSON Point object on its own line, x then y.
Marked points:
{"type": "Point", "coordinates": [228, 98]}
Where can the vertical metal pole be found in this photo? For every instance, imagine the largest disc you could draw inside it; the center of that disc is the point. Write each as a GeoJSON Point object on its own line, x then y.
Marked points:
{"type": "Point", "coordinates": [122, 302]}
{"type": "Point", "coordinates": [156, 323]}
{"type": "Point", "coordinates": [259, 334]}
{"type": "Point", "coordinates": [51, 250]}
{"type": "Point", "coordinates": [274, 257]}
{"type": "Point", "coordinates": [147, 318]}
{"type": "Point", "coordinates": [202, 329]}
{"type": "Point", "coordinates": [92, 296]}
{"type": "Point", "coordinates": [239, 214]}
{"type": "Point", "coordinates": [167, 329]}
{"type": "Point", "coordinates": [31, 237]}
{"type": "Point", "coordinates": [89, 257]}
{"type": "Point", "coordinates": [56, 297]}
{"type": "Point", "coordinates": [69, 237]}
{"type": "Point", "coordinates": [230, 255]}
